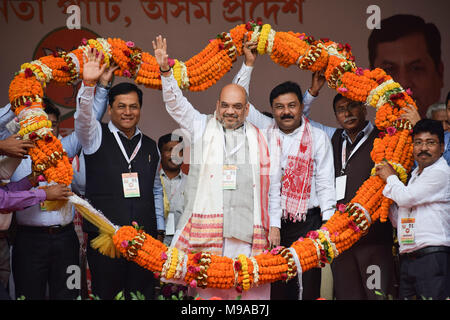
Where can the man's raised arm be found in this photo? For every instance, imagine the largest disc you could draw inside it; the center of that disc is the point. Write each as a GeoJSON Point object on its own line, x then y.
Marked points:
{"type": "Point", "coordinates": [90, 108]}
{"type": "Point", "coordinates": [178, 107]}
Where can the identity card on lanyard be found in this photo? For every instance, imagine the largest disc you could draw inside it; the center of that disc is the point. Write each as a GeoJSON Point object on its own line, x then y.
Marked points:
{"type": "Point", "coordinates": [130, 180]}
{"type": "Point", "coordinates": [341, 180]}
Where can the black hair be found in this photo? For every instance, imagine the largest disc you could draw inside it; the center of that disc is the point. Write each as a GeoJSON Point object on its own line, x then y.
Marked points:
{"type": "Point", "coordinates": [336, 99]}
{"type": "Point", "coordinates": [124, 88]}
{"type": "Point", "coordinates": [448, 98]}
{"type": "Point", "coordinates": [401, 25]}
{"type": "Point", "coordinates": [286, 87]}
{"type": "Point", "coordinates": [167, 138]}
{"type": "Point", "coordinates": [50, 108]}
{"type": "Point", "coordinates": [431, 126]}
{"type": "Point", "coordinates": [267, 114]}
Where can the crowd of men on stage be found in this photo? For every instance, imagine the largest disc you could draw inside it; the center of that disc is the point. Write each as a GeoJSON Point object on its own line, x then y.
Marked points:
{"type": "Point", "coordinates": [254, 180]}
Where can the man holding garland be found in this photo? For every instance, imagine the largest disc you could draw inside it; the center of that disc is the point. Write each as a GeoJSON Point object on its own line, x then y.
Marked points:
{"type": "Point", "coordinates": [308, 193]}
{"type": "Point", "coordinates": [233, 187]}
{"type": "Point", "coordinates": [421, 214]}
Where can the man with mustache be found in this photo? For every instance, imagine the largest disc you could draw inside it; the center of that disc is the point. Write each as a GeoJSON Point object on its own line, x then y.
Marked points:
{"type": "Point", "coordinates": [421, 214]}
{"type": "Point", "coordinates": [352, 144]}
{"type": "Point", "coordinates": [308, 193]}
{"type": "Point", "coordinates": [232, 192]}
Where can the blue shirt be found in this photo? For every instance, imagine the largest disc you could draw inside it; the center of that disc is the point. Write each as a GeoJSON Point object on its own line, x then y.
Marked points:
{"type": "Point", "coordinates": [446, 154]}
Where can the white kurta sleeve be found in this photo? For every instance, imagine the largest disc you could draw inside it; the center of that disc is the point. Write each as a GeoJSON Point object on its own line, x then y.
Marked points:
{"type": "Point", "coordinates": [324, 164]}
{"type": "Point", "coordinates": [181, 110]}
{"type": "Point", "coordinates": [87, 128]}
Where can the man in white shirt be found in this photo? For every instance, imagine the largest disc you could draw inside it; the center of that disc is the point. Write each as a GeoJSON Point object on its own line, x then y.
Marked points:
{"type": "Point", "coordinates": [308, 193]}
{"type": "Point", "coordinates": [421, 214]}
{"type": "Point", "coordinates": [232, 198]}
{"type": "Point", "coordinates": [41, 231]}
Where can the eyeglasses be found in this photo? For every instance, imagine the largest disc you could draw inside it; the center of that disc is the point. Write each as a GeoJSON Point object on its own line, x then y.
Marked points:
{"type": "Point", "coordinates": [351, 107]}
{"type": "Point", "coordinates": [428, 143]}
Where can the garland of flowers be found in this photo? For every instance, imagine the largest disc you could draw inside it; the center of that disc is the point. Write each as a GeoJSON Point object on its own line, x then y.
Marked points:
{"type": "Point", "coordinates": [350, 221]}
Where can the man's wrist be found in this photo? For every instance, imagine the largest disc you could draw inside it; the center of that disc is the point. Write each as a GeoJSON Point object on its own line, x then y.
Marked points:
{"type": "Point", "coordinates": [249, 64]}
{"type": "Point", "coordinates": [312, 92]}
{"type": "Point", "coordinates": [89, 83]}
{"type": "Point", "coordinates": [106, 86]}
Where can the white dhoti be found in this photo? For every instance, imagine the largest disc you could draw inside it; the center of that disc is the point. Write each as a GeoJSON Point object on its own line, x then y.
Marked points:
{"type": "Point", "coordinates": [232, 248]}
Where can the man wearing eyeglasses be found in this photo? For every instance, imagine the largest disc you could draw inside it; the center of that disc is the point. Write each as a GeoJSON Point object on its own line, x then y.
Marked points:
{"type": "Point", "coordinates": [421, 214]}
{"type": "Point", "coordinates": [352, 144]}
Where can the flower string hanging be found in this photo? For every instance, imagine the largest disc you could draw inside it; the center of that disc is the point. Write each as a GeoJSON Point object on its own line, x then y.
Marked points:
{"type": "Point", "coordinates": [350, 221]}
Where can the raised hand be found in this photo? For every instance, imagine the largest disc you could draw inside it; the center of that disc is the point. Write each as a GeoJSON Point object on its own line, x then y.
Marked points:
{"type": "Point", "coordinates": [160, 49]}
{"type": "Point", "coordinates": [15, 147]}
{"type": "Point", "coordinates": [250, 52]}
{"type": "Point", "coordinates": [92, 70]}
{"type": "Point", "coordinates": [411, 114]}
{"type": "Point", "coordinates": [317, 82]}
{"type": "Point", "coordinates": [107, 75]}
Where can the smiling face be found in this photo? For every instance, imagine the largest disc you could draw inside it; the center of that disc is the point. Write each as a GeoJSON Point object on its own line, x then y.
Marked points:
{"type": "Point", "coordinates": [287, 111]}
{"type": "Point", "coordinates": [125, 112]}
{"type": "Point", "coordinates": [232, 106]}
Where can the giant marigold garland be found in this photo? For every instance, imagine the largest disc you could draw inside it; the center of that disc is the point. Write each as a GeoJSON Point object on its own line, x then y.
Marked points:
{"type": "Point", "coordinates": [349, 223]}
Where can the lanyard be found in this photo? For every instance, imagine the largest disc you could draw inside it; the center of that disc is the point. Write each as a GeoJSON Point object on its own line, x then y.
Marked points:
{"type": "Point", "coordinates": [235, 149]}
{"type": "Point", "coordinates": [344, 152]}
{"type": "Point", "coordinates": [133, 155]}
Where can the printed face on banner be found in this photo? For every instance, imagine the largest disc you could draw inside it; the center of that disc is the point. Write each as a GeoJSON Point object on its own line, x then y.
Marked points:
{"type": "Point", "coordinates": [408, 62]}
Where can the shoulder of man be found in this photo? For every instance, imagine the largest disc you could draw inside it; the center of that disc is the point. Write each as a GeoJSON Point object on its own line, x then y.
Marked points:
{"type": "Point", "coordinates": [319, 134]}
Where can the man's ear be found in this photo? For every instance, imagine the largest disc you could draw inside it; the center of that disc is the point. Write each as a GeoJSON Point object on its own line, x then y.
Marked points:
{"type": "Point", "coordinates": [109, 109]}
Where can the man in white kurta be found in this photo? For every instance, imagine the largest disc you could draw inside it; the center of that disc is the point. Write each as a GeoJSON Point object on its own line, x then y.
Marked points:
{"type": "Point", "coordinates": [225, 176]}
{"type": "Point", "coordinates": [308, 198]}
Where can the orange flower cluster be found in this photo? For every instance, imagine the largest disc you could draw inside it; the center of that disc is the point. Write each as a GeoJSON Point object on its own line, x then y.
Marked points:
{"type": "Point", "coordinates": [148, 74]}
{"type": "Point", "coordinates": [358, 86]}
{"type": "Point", "coordinates": [24, 89]}
{"type": "Point", "coordinates": [287, 48]}
{"type": "Point", "coordinates": [237, 35]}
{"type": "Point", "coordinates": [316, 58]}
{"type": "Point", "coordinates": [127, 57]}
{"type": "Point", "coordinates": [209, 66]}
{"type": "Point", "coordinates": [50, 159]}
